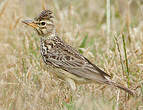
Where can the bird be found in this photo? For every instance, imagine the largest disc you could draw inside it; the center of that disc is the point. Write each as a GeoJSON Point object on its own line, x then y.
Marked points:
{"type": "Point", "coordinates": [67, 61]}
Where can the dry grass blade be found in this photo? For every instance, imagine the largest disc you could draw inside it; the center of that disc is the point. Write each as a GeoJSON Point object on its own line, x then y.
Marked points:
{"type": "Point", "coordinates": [3, 6]}
{"type": "Point", "coordinates": [43, 4]}
{"type": "Point", "coordinates": [119, 51]}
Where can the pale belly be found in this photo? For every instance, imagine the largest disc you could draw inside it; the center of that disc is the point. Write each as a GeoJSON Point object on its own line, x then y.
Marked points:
{"type": "Point", "coordinates": [62, 74]}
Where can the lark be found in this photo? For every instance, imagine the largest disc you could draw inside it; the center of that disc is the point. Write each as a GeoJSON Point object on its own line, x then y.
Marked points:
{"type": "Point", "coordinates": [68, 63]}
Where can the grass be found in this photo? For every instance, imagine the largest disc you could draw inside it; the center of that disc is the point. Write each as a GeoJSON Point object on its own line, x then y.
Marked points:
{"type": "Point", "coordinates": [26, 83]}
{"type": "Point", "coordinates": [126, 59]}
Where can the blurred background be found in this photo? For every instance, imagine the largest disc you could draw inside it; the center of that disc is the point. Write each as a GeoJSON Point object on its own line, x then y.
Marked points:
{"type": "Point", "coordinates": [109, 33]}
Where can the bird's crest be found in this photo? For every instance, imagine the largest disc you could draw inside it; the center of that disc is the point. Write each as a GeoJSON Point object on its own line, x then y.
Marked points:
{"type": "Point", "coordinates": [45, 15]}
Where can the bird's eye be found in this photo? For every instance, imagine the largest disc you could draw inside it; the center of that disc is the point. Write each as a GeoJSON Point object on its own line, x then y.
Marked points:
{"type": "Point", "coordinates": [43, 23]}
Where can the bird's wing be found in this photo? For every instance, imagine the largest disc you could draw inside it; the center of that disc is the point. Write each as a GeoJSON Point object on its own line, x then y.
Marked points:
{"type": "Point", "coordinates": [67, 58]}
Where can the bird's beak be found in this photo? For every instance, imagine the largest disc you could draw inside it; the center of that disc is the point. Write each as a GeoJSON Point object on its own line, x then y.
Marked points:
{"type": "Point", "coordinates": [30, 23]}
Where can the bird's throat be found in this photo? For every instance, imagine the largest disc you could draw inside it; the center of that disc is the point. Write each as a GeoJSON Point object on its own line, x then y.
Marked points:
{"type": "Point", "coordinates": [48, 37]}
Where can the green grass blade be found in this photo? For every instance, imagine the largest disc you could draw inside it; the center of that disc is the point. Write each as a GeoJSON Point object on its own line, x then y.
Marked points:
{"type": "Point", "coordinates": [126, 58]}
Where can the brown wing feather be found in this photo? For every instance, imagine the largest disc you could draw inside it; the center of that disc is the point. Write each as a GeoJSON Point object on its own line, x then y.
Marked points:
{"type": "Point", "coordinates": [65, 57]}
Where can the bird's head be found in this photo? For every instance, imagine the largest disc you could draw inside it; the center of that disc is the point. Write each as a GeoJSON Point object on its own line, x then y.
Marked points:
{"type": "Point", "coordinates": [43, 23]}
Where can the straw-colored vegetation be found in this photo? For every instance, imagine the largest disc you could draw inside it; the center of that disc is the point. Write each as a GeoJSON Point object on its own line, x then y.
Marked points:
{"type": "Point", "coordinates": [26, 84]}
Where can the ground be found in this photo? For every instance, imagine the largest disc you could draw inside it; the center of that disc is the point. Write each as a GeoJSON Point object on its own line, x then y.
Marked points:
{"type": "Point", "coordinates": [114, 43]}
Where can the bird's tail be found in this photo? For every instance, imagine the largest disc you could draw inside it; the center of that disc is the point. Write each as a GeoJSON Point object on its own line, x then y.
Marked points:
{"type": "Point", "coordinates": [120, 86]}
